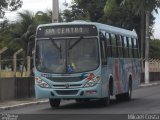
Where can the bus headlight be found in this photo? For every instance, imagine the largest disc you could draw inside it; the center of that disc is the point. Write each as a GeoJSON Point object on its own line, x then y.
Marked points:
{"type": "Point", "coordinates": [41, 83]}
{"type": "Point", "coordinates": [92, 82]}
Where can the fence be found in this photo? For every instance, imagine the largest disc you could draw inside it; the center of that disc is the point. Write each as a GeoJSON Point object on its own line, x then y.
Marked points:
{"type": "Point", "coordinates": [24, 87]}
{"type": "Point", "coordinates": [16, 88]}
{"type": "Point", "coordinates": [154, 65]}
{"type": "Point", "coordinates": [15, 68]}
{"type": "Point", "coordinates": [154, 70]}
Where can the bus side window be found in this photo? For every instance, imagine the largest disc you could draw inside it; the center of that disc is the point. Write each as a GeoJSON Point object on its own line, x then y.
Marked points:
{"type": "Point", "coordinates": [103, 48]}
{"type": "Point", "coordinates": [130, 47]}
{"type": "Point", "coordinates": [135, 48]}
{"type": "Point", "coordinates": [109, 48]}
{"type": "Point", "coordinates": [119, 46]}
{"type": "Point", "coordinates": [125, 47]}
{"type": "Point", "coordinates": [114, 46]}
{"type": "Point", "coordinates": [123, 50]}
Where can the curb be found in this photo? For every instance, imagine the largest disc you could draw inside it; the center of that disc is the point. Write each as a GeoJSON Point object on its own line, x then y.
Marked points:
{"type": "Point", "coordinates": [149, 84]}
{"type": "Point", "coordinates": [22, 105]}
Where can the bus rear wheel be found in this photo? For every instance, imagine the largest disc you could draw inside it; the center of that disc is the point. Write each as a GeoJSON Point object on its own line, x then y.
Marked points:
{"type": "Point", "coordinates": [126, 96]}
{"type": "Point", "coordinates": [54, 103]}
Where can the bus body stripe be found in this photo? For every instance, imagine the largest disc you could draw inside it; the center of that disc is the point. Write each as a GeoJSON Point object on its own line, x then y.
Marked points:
{"type": "Point", "coordinates": [117, 80]}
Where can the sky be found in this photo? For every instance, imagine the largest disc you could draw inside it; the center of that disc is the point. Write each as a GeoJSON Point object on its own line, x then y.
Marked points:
{"type": "Point", "coordinates": [43, 5]}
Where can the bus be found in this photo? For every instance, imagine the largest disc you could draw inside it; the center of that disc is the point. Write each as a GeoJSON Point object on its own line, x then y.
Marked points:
{"type": "Point", "coordinates": [85, 61]}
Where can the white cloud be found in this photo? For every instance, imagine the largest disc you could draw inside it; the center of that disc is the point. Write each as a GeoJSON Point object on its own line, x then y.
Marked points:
{"type": "Point", "coordinates": [157, 26]}
{"type": "Point", "coordinates": [35, 5]}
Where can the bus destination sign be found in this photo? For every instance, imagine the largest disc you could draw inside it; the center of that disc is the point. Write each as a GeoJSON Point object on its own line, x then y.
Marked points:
{"type": "Point", "coordinates": [67, 31]}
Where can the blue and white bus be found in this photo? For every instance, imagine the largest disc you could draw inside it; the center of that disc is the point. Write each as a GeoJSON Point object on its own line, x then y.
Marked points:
{"type": "Point", "coordinates": [85, 61]}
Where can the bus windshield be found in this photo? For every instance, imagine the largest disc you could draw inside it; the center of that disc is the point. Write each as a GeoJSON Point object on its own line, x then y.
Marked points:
{"type": "Point", "coordinates": [72, 55]}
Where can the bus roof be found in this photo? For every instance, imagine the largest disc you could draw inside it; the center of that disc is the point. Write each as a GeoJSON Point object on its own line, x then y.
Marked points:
{"type": "Point", "coordinates": [105, 27]}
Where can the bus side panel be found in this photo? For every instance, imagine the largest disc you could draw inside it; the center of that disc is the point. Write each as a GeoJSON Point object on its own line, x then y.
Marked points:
{"type": "Point", "coordinates": [127, 68]}
{"type": "Point", "coordinates": [136, 72]}
{"type": "Point", "coordinates": [119, 80]}
{"type": "Point", "coordinates": [120, 70]}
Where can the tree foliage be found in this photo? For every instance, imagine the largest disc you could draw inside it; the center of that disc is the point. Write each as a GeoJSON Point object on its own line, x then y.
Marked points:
{"type": "Point", "coordinates": [18, 35]}
{"type": "Point", "coordinates": [131, 9]}
{"type": "Point", "coordinates": [9, 5]}
{"type": "Point", "coordinates": [141, 6]}
{"type": "Point", "coordinates": [85, 10]}
{"type": "Point", "coordinates": [154, 49]}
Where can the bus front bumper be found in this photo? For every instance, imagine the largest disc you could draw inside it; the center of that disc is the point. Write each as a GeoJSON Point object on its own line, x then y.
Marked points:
{"type": "Point", "coordinates": [88, 92]}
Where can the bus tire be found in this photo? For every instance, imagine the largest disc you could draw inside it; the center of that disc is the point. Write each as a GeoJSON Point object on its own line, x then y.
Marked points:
{"type": "Point", "coordinates": [126, 96]}
{"type": "Point", "coordinates": [54, 103]}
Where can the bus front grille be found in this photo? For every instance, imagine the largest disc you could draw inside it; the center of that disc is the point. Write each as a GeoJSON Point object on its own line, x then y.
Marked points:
{"type": "Point", "coordinates": [72, 85]}
{"type": "Point", "coordinates": [66, 79]}
{"type": "Point", "coordinates": [66, 92]}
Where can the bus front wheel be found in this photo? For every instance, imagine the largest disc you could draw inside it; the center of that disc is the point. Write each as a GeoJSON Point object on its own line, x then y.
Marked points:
{"type": "Point", "coordinates": [54, 102]}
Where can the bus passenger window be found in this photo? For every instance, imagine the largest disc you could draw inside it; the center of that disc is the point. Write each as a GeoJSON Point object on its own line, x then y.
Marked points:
{"type": "Point", "coordinates": [130, 47]}
{"type": "Point", "coordinates": [135, 48]}
{"type": "Point", "coordinates": [125, 47]}
{"type": "Point", "coordinates": [103, 46]}
{"type": "Point", "coordinates": [114, 46]}
{"type": "Point", "coordinates": [109, 48]}
{"type": "Point", "coordinates": [123, 51]}
{"type": "Point", "coordinates": [119, 46]}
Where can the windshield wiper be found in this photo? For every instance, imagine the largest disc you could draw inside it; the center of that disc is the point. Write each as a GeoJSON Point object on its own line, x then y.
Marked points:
{"type": "Point", "coordinates": [57, 47]}
{"type": "Point", "coordinates": [53, 42]}
{"type": "Point", "coordinates": [75, 43]}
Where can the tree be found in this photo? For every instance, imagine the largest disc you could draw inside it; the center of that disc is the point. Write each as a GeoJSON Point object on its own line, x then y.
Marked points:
{"type": "Point", "coordinates": [154, 49]}
{"type": "Point", "coordinates": [120, 16]}
{"type": "Point", "coordinates": [9, 5]}
{"type": "Point", "coordinates": [21, 34]}
{"type": "Point", "coordinates": [17, 35]}
{"type": "Point", "coordinates": [85, 10]}
{"type": "Point", "coordinates": [136, 8]}
{"type": "Point", "coordinates": [75, 13]}
{"type": "Point", "coordinates": [26, 27]}
{"type": "Point", "coordinates": [142, 7]}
